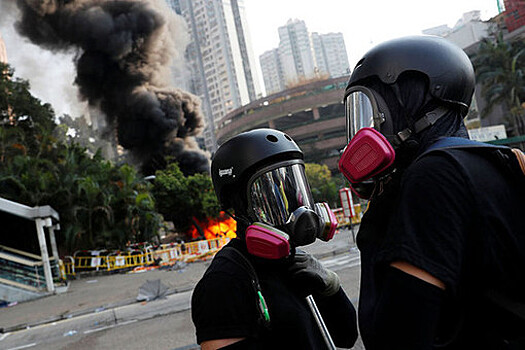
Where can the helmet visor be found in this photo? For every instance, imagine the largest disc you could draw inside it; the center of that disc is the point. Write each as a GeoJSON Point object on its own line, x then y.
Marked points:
{"type": "Point", "coordinates": [361, 111]}
{"type": "Point", "coordinates": [277, 193]}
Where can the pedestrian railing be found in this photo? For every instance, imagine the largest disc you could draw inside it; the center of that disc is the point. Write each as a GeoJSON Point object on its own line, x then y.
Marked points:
{"type": "Point", "coordinates": [25, 270]}
{"type": "Point", "coordinates": [165, 254]}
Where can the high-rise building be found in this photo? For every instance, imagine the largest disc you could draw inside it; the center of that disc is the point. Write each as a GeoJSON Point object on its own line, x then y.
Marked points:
{"type": "Point", "coordinates": [272, 71]}
{"type": "Point", "coordinates": [302, 56]}
{"type": "Point", "coordinates": [220, 58]}
{"type": "Point", "coordinates": [3, 51]}
{"type": "Point", "coordinates": [295, 52]}
{"type": "Point", "coordinates": [330, 54]}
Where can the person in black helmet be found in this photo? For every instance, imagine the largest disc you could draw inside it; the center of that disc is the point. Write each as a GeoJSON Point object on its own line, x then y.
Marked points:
{"type": "Point", "coordinates": [443, 240]}
{"type": "Point", "coordinates": [253, 295]}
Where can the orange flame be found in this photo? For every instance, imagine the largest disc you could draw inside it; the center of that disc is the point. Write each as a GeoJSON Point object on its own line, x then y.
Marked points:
{"type": "Point", "coordinates": [224, 226]}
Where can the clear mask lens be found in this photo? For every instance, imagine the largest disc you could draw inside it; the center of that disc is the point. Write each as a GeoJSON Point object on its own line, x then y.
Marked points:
{"type": "Point", "coordinates": [276, 194]}
{"type": "Point", "coordinates": [359, 112]}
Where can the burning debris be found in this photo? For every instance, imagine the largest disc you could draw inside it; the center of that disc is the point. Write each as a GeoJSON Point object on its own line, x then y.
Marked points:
{"type": "Point", "coordinates": [124, 52]}
{"type": "Point", "coordinates": [224, 226]}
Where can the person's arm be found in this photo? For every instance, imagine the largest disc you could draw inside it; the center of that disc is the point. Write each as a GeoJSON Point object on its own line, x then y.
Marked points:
{"type": "Point", "coordinates": [340, 318]}
{"type": "Point", "coordinates": [336, 309]}
{"type": "Point", "coordinates": [223, 311]}
{"type": "Point", "coordinates": [418, 273]}
{"type": "Point", "coordinates": [407, 312]}
{"type": "Point", "coordinates": [422, 254]}
{"type": "Point", "coordinates": [219, 343]}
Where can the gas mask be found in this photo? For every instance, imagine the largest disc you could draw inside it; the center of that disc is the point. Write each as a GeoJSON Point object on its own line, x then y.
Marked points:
{"type": "Point", "coordinates": [285, 214]}
{"type": "Point", "coordinates": [370, 152]}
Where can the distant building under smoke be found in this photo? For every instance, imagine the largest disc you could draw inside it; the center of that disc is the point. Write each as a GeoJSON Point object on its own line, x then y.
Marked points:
{"type": "Point", "coordinates": [3, 50]}
{"type": "Point", "coordinates": [125, 49]}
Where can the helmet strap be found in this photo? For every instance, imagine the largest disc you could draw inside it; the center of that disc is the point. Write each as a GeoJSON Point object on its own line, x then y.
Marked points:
{"type": "Point", "coordinates": [238, 218]}
{"type": "Point", "coordinates": [423, 123]}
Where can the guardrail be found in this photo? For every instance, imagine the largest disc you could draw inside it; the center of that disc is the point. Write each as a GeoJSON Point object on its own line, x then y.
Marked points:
{"type": "Point", "coordinates": [25, 270]}
{"type": "Point", "coordinates": [165, 254]}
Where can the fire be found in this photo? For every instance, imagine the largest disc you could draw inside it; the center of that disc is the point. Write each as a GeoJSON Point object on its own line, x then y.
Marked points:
{"type": "Point", "coordinates": [224, 226]}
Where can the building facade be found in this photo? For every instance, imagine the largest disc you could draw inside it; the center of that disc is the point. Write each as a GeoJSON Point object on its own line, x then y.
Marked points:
{"type": "Point", "coordinates": [467, 34]}
{"type": "Point", "coordinates": [330, 54]}
{"type": "Point", "coordinates": [273, 75]}
{"type": "Point", "coordinates": [469, 30]}
{"type": "Point", "coordinates": [514, 14]}
{"type": "Point", "coordinates": [220, 58]}
{"type": "Point", "coordinates": [295, 52]}
{"type": "Point", "coordinates": [302, 57]}
{"type": "Point", "coordinates": [312, 114]}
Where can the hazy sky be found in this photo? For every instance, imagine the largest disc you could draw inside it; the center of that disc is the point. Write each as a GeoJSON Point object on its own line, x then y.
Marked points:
{"type": "Point", "coordinates": [363, 23]}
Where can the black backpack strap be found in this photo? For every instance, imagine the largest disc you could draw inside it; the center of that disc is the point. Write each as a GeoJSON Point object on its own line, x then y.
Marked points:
{"type": "Point", "coordinates": [512, 160]}
{"type": "Point", "coordinates": [458, 142]}
{"type": "Point", "coordinates": [235, 256]}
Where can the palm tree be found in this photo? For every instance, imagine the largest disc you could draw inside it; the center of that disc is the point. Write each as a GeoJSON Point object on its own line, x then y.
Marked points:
{"type": "Point", "coordinates": [499, 68]}
{"type": "Point", "coordinates": [95, 201]}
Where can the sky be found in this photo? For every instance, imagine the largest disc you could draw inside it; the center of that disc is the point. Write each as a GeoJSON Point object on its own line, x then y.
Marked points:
{"type": "Point", "coordinates": [363, 23]}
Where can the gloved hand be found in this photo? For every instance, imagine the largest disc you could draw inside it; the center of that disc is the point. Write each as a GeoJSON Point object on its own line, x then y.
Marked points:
{"type": "Point", "coordinates": [311, 275]}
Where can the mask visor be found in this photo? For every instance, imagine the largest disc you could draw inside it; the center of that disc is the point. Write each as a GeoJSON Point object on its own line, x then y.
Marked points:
{"type": "Point", "coordinates": [275, 194]}
{"type": "Point", "coordinates": [359, 112]}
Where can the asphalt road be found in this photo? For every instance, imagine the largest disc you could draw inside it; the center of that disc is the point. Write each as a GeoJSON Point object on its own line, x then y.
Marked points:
{"type": "Point", "coordinates": [166, 324]}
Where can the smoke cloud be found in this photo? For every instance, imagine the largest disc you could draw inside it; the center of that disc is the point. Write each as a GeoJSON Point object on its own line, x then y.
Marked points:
{"type": "Point", "coordinates": [125, 49]}
{"type": "Point", "coordinates": [55, 83]}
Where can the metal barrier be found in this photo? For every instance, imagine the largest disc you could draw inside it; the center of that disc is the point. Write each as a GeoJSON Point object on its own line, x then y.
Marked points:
{"type": "Point", "coordinates": [165, 254]}
{"type": "Point", "coordinates": [25, 270]}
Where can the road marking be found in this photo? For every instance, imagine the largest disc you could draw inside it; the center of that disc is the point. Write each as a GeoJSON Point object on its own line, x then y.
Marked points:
{"type": "Point", "coordinates": [23, 346]}
{"type": "Point", "coordinates": [3, 336]}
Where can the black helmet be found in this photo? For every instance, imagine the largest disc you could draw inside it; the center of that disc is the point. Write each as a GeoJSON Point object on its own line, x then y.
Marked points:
{"type": "Point", "coordinates": [239, 158]}
{"type": "Point", "coordinates": [448, 68]}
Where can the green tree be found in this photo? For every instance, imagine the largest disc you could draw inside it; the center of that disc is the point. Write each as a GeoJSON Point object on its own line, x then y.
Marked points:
{"type": "Point", "coordinates": [100, 204]}
{"type": "Point", "coordinates": [499, 67]}
{"type": "Point", "coordinates": [20, 109]}
{"type": "Point", "coordinates": [323, 186]}
{"type": "Point", "coordinates": [134, 207]}
{"type": "Point", "coordinates": [182, 199]}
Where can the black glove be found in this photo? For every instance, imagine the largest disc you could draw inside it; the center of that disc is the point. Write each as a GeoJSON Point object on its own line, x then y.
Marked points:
{"type": "Point", "coordinates": [311, 276]}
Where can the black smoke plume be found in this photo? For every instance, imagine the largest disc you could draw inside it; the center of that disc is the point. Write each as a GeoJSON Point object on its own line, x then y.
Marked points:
{"type": "Point", "coordinates": [125, 49]}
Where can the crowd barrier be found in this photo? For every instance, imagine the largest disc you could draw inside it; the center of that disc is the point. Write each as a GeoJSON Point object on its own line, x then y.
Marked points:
{"type": "Point", "coordinates": [164, 254]}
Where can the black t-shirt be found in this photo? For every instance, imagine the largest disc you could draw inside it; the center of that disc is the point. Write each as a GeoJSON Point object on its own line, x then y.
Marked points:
{"type": "Point", "coordinates": [457, 215]}
{"type": "Point", "coordinates": [224, 305]}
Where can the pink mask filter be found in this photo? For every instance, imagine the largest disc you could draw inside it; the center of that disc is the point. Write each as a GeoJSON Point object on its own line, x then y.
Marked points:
{"type": "Point", "coordinates": [367, 154]}
{"type": "Point", "coordinates": [328, 219]}
{"type": "Point", "coordinates": [267, 242]}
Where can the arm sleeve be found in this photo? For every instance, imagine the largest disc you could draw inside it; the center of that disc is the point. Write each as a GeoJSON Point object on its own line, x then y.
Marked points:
{"type": "Point", "coordinates": [431, 221]}
{"type": "Point", "coordinates": [407, 313]}
{"type": "Point", "coordinates": [223, 307]}
{"type": "Point", "coordinates": [340, 318]}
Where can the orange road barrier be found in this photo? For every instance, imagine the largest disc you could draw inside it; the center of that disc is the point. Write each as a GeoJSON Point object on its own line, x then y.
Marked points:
{"type": "Point", "coordinates": [139, 259]}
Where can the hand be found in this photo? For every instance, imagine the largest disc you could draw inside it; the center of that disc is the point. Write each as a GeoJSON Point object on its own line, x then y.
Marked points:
{"type": "Point", "coordinates": [311, 275]}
